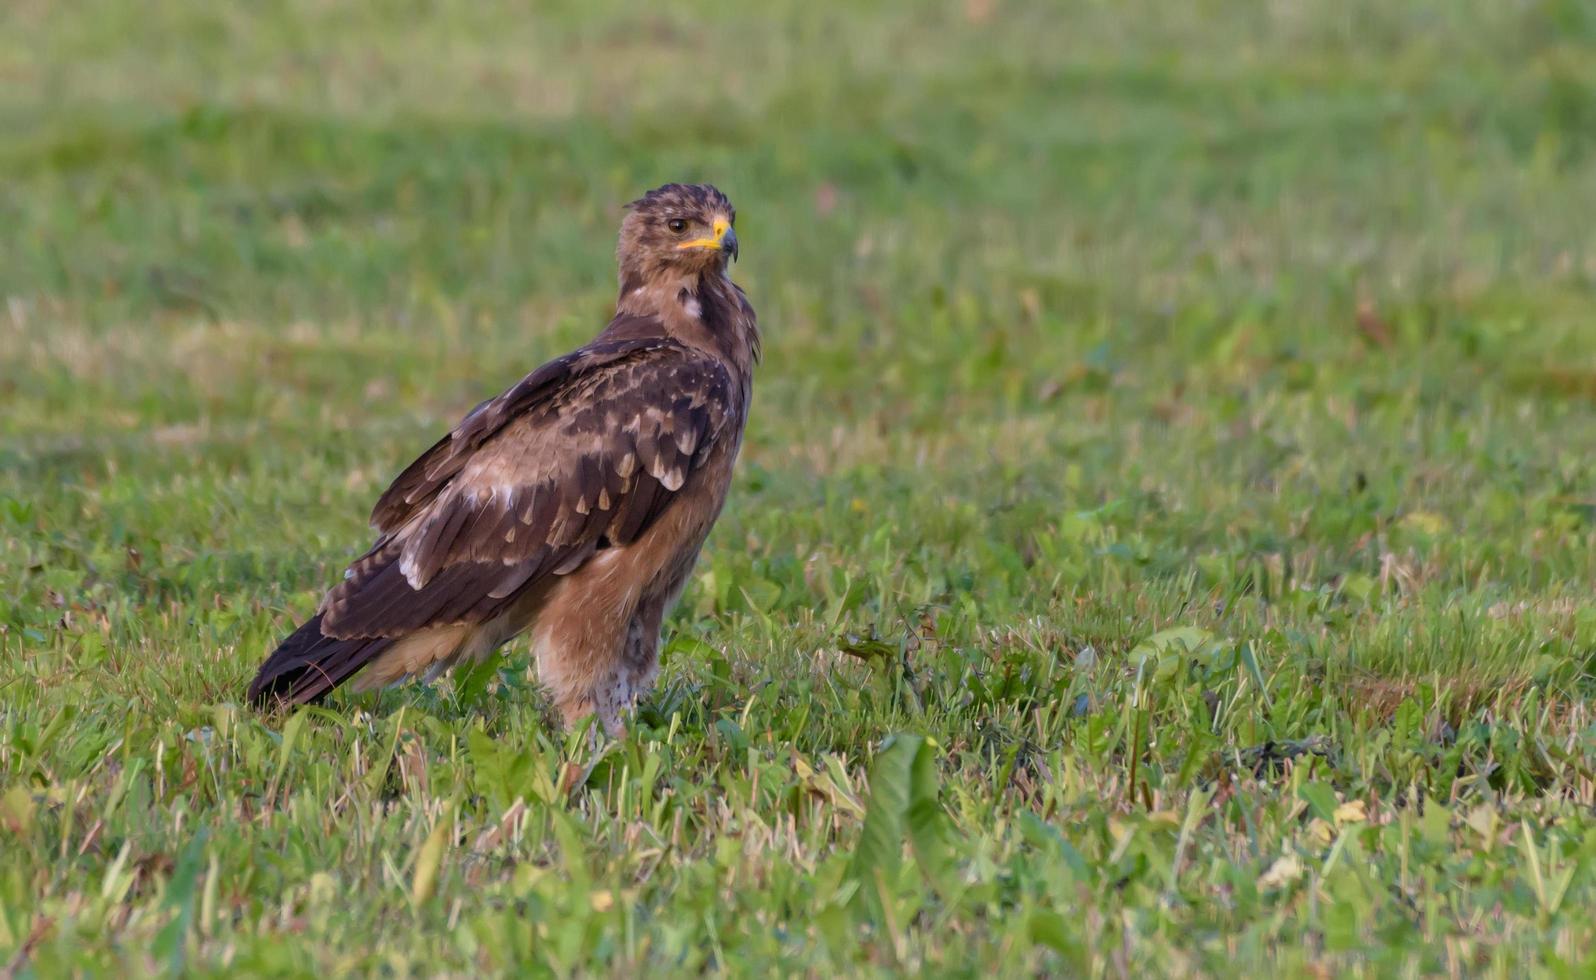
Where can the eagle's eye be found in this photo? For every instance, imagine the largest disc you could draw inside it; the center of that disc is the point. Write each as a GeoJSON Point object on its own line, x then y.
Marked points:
{"type": "Point", "coordinates": [677, 225]}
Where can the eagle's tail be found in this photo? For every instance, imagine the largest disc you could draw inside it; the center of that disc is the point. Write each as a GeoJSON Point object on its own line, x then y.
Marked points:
{"type": "Point", "coordinates": [308, 664]}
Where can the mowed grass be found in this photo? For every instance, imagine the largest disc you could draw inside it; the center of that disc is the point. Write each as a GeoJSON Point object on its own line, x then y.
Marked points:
{"type": "Point", "coordinates": [1164, 544]}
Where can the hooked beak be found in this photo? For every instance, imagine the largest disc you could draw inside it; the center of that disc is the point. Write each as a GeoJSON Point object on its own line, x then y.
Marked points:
{"type": "Point", "coordinates": [725, 239]}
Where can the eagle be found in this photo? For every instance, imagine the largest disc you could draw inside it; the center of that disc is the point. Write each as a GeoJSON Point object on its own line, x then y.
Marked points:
{"type": "Point", "coordinates": [572, 506]}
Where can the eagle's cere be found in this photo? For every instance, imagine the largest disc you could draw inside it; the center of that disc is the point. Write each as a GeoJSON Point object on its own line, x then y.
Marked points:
{"type": "Point", "coordinates": [572, 505]}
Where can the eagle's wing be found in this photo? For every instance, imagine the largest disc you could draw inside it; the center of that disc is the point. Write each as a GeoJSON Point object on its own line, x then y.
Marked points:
{"type": "Point", "coordinates": [583, 454]}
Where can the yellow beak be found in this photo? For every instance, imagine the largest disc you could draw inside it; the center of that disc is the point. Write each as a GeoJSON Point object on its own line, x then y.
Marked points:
{"type": "Point", "coordinates": [725, 239]}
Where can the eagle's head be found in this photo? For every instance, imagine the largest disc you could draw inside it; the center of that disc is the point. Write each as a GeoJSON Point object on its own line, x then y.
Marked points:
{"type": "Point", "coordinates": [677, 229]}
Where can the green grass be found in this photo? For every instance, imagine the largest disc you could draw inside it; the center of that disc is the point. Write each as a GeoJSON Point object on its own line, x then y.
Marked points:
{"type": "Point", "coordinates": [1165, 541]}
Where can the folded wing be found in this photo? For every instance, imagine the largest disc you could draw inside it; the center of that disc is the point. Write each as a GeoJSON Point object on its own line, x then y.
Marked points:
{"type": "Point", "coordinates": [582, 455]}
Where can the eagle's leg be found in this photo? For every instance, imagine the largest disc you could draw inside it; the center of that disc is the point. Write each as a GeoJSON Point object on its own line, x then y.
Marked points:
{"type": "Point", "coordinates": [639, 664]}
{"type": "Point", "coordinates": [595, 651]}
{"type": "Point", "coordinates": [614, 692]}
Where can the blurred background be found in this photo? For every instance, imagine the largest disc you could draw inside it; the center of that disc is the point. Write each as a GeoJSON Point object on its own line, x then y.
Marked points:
{"type": "Point", "coordinates": [219, 212]}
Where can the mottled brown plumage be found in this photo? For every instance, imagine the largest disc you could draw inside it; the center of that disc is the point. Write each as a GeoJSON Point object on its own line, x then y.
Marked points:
{"type": "Point", "coordinates": [572, 505]}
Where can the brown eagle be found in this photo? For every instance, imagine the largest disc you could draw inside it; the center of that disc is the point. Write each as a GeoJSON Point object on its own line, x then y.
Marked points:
{"type": "Point", "coordinates": [572, 505]}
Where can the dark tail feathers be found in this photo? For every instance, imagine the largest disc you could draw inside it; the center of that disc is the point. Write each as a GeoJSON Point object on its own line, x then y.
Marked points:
{"type": "Point", "coordinates": [308, 664]}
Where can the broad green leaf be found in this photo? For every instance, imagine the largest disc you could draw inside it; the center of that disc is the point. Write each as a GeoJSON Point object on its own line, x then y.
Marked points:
{"type": "Point", "coordinates": [1179, 640]}
{"type": "Point", "coordinates": [1162, 655]}
{"type": "Point", "coordinates": [1321, 799]}
{"type": "Point", "coordinates": [926, 821]}
{"type": "Point", "coordinates": [880, 849]}
{"type": "Point", "coordinates": [471, 683]}
{"type": "Point", "coordinates": [171, 944]}
{"type": "Point", "coordinates": [903, 808]}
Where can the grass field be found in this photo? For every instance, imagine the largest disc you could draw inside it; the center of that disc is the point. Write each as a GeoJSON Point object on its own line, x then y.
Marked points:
{"type": "Point", "coordinates": [1165, 542]}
